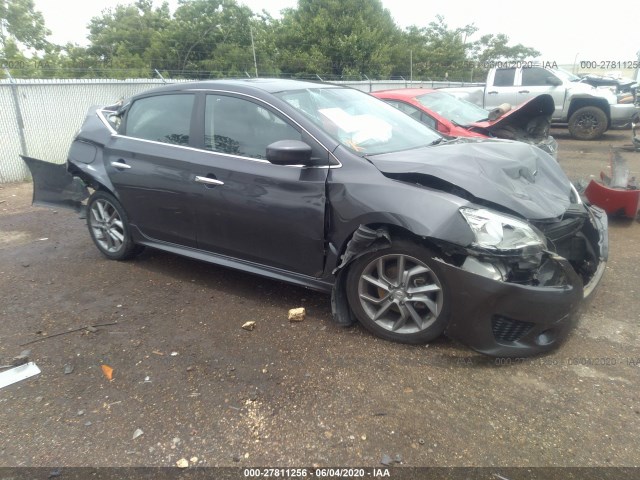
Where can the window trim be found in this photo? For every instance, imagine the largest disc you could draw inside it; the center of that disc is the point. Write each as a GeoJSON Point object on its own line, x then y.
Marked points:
{"type": "Point", "coordinates": [333, 160]}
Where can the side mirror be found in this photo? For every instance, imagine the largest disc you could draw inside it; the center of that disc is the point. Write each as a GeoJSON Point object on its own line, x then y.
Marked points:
{"type": "Point", "coordinates": [289, 152]}
{"type": "Point", "coordinates": [555, 81]}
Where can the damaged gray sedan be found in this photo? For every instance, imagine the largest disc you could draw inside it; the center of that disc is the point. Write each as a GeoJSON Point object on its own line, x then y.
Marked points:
{"type": "Point", "coordinates": [413, 235]}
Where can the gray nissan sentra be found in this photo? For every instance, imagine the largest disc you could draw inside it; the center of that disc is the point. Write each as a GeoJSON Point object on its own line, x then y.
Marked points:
{"type": "Point", "coordinates": [414, 235]}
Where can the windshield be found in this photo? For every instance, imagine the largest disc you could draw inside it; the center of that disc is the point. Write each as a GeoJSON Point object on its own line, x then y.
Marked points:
{"type": "Point", "coordinates": [362, 123]}
{"type": "Point", "coordinates": [563, 74]}
{"type": "Point", "coordinates": [458, 111]}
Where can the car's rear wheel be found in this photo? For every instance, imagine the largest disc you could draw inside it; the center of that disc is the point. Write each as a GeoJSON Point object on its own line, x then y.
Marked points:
{"type": "Point", "coordinates": [109, 227]}
{"type": "Point", "coordinates": [399, 293]}
{"type": "Point", "coordinates": [588, 123]}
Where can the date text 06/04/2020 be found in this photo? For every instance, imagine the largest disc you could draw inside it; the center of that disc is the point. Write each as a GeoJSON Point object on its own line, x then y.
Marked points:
{"type": "Point", "coordinates": [316, 472]}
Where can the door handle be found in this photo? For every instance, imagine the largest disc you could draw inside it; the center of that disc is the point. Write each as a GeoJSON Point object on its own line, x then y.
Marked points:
{"type": "Point", "coordinates": [523, 91]}
{"type": "Point", "coordinates": [120, 164]}
{"type": "Point", "coordinates": [494, 92]}
{"type": "Point", "coordinates": [208, 181]}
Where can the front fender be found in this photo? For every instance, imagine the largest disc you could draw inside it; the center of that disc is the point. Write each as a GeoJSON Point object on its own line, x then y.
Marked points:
{"type": "Point", "coordinates": [422, 211]}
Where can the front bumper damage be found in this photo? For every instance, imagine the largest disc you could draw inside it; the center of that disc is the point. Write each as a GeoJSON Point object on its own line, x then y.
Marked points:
{"type": "Point", "coordinates": [502, 318]}
{"type": "Point", "coordinates": [509, 318]}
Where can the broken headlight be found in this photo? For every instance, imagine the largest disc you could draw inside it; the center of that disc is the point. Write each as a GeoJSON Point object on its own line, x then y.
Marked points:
{"type": "Point", "coordinates": [495, 231]}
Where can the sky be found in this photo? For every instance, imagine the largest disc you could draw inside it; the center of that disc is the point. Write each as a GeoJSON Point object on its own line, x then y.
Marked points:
{"type": "Point", "coordinates": [564, 32]}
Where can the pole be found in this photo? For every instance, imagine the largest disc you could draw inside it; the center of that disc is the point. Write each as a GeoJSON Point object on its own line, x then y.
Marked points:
{"type": "Point", "coordinates": [253, 47]}
{"type": "Point", "coordinates": [19, 119]}
{"type": "Point", "coordinates": [411, 66]}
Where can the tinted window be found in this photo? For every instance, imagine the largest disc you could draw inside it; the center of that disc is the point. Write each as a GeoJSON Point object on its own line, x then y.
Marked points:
{"type": "Point", "coordinates": [535, 76]}
{"type": "Point", "coordinates": [504, 77]}
{"type": "Point", "coordinates": [240, 127]}
{"type": "Point", "coordinates": [163, 118]}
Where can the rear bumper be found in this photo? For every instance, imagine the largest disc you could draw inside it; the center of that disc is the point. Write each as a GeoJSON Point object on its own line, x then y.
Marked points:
{"type": "Point", "coordinates": [54, 186]}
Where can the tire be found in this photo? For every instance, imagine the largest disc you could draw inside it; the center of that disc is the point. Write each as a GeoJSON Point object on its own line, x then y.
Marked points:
{"type": "Point", "coordinates": [109, 227]}
{"type": "Point", "coordinates": [412, 308]}
{"type": "Point", "coordinates": [588, 123]}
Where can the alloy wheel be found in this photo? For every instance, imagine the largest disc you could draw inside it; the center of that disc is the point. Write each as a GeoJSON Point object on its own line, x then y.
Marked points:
{"type": "Point", "coordinates": [400, 293]}
{"type": "Point", "coordinates": [107, 226]}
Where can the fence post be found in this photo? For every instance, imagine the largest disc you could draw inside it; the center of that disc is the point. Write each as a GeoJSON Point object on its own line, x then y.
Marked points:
{"type": "Point", "coordinates": [368, 80]}
{"type": "Point", "coordinates": [16, 101]}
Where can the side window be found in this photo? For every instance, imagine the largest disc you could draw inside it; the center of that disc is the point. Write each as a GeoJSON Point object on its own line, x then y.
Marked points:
{"type": "Point", "coordinates": [504, 77]}
{"type": "Point", "coordinates": [535, 76]}
{"type": "Point", "coordinates": [413, 112]}
{"type": "Point", "coordinates": [163, 118]}
{"type": "Point", "coordinates": [241, 127]}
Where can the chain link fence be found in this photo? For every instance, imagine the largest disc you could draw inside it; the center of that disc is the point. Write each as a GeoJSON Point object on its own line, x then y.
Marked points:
{"type": "Point", "coordinates": [39, 118]}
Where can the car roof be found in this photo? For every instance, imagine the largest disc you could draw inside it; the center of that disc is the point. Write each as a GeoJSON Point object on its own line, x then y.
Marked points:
{"type": "Point", "coordinates": [244, 85]}
{"type": "Point", "coordinates": [404, 92]}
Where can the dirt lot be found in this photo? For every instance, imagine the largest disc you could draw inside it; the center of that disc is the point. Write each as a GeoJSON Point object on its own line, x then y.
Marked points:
{"type": "Point", "coordinates": [200, 387]}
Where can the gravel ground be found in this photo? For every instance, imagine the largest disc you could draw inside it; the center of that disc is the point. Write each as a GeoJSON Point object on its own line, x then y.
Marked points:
{"type": "Point", "coordinates": [190, 383]}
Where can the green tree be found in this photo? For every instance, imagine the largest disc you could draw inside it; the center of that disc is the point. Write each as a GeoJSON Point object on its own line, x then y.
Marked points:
{"type": "Point", "coordinates": [340, 37]}
{"type": "Point", "coordinates": [495, 47]}
{"type": "Point", "coordinates": [22, 24]}
{"type": "Point", "coordinates": [215, 38]}
{"type": "Point", "coordinates": [436, 51]}
{"type": "Point", "coordinates": [129, 37]}
{"type": "Point", "coordinates": [263, 29]}
{"type": "Point", "coordinates": [21, 28]}
{"type": "Point", "coordinates": [211, 34]}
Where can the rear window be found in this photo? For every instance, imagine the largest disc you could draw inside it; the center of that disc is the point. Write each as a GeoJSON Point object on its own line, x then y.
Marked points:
{"type": "Point", "coordinates": [162, 118]}
{"type": "Point", "coordinates": [504, 77]}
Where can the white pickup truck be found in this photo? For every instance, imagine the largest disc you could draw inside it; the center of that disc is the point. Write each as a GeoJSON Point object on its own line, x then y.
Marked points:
{"type": "Point", "coordinates": [588, 111]}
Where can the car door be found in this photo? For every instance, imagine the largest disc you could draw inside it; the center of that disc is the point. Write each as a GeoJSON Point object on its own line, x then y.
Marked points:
{"type": "Point", "coordinates": [149, 164]}
{"type": "Point", "coordinates": [535, 81]}
{"type": "Point", "coordinates": [501, 88]}
{"type": "Point", "coordinates": [251, 209]}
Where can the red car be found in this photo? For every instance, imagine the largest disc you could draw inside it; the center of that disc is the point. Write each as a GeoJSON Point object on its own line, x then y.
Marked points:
{"type": "Point", "coordinates": [458, 118]}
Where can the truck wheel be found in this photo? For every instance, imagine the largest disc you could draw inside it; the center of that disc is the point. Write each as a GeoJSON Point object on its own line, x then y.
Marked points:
{"type": "Point", "coordinates": [587, 123]}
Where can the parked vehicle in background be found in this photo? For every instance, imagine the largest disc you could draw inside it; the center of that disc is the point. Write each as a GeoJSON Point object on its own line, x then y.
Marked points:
{"type": "Point", "coordinates": [624, 88]}
{"type": "Point", "coordinates": [586, 110]}
{"type": "Point", "coordinates": [455, 117]}
{"type": "Point", "coordinates": [327, 187]}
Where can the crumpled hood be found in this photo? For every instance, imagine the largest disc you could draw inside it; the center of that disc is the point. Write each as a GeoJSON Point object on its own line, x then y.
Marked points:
{"type": "Point", "coordinates": [542, 105]}
{"type": "Point", "coordinates": [515, 175]}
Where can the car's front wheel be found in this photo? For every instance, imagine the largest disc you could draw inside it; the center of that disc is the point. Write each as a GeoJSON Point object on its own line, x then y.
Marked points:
{"type": "Point", "coordinates": [109, 227]}
{"type": "Point", "coordinates": [399, 293]}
